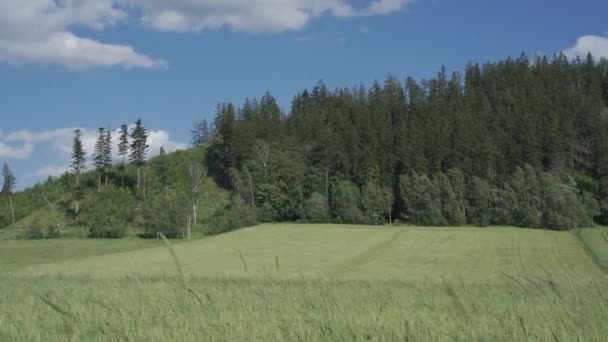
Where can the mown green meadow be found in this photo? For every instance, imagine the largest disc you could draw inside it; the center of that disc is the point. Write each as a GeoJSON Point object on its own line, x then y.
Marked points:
{"type": "Point", "coordinates": [313, 282]}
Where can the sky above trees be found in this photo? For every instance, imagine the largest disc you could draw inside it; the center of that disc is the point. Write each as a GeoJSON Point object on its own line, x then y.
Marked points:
{"type": "Point", "coordinates": [78, 64]}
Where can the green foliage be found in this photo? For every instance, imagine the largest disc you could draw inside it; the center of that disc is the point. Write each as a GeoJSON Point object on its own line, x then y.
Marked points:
{"type": "Point", "coordinates": [477, 147]}
{"type": "Point", "coordinates": [377, 202]}
{"type": "Point", "coordinates": [479, 194]}
{"type": "Point", "coordinates": [563, 207]}
{"type": "Point", "coordinates": [35, 231]}
{"type": "Point", "coordinates": [317, 210]}
{"type": "Point", "coordinates": [422, 200]}
{"type": "Point", "coordinates": [106, 214]}
{"type": "Point", "coordinates": [346, 201]}
{"type": "Point", "coordinates": [238, 215]}
{"type": "Point", "coordinates": [167, 214]}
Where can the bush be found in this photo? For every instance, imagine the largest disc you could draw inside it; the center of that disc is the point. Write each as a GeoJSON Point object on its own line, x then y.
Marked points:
{"type": "Point", "coordinates": [167, 214]}
{"type": "Point", "coordinates": [34, 231]}
{"type": "Point", "coordinates": [237, 216]}
{"type": "Point", "coordinates": [53, 232]}
{"type": "Point", "coordinates": [346, 202]}
{"type": "Point", "coordinates": [107, 213]}
{"type": "Point", "coordinates": [317, 210]}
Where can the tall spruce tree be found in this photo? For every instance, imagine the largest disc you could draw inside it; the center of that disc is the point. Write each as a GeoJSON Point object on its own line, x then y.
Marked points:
{"type": "Point", "coordinates": [107, 154]}
{"type": "Point", "coordinates": [123, 150]}
{"type": "Point", "coordinates": [8, 187]}
{"type": "Point", "coordinates": [99, 155]}
{"type": "Point", "coordinates": [201, 133]}
{"type": "Point", "coordinates": [78, 166]}
{"type": "Point", "coordinates": [139, 149]}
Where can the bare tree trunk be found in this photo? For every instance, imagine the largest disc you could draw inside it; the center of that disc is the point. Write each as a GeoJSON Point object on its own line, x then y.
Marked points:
{"type": "Point", "coordinates": [77, 202]}
{"type": "Point", "coordinates": [144, 185]}
{"type": "Point", "coordinates": [10, 199]}
{"type": "Point", "coordinates": [327, 184]}
{"type": "Point", "coordinates": [250, 187]}
{"type": "Point", "coordinates": [194, 214]}
{"type": "Point", "coordinates": [99, 182]}
{"type": "Point", "coordinates": [138, 180]}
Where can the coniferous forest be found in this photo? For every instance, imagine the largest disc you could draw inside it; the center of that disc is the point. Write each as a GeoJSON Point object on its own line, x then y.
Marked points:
{"type": "Point", "coordinates": [517, 142]}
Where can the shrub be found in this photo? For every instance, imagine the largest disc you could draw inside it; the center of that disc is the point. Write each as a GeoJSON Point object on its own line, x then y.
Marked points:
{"type": "Point", "coordinates": [317, 210]}
{"type": "Point", "coordinates": [53, 232]}
{"type": "Point", "coordinates": [106, 214]}
{"type": "Point", "coordinates": [34, 231]}
{"type": "Point", "coordinates": [237, 216]}
{"type": "Point", "coordinates": [167, 214]}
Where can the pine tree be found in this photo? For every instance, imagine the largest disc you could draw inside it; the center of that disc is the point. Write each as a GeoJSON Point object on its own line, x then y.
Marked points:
{"type": "Point", "coordinates": [139, 149]}
{"type": "Point", "coordinates": [123, 150]}
{"type": "Point", "coordinates": [107, 154]}
{"type": "Point", "coordinates": [78, 165]}
{"type": "Point", "coordinates": [99, 157]}
{"type": "Point", "coordinates": [8, 186]}
{"type": "Point", "coordinates": [201, 133]}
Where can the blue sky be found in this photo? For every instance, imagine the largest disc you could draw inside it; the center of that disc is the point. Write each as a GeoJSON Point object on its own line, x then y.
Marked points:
{"type": "Point", "coordinates": [75, 63]}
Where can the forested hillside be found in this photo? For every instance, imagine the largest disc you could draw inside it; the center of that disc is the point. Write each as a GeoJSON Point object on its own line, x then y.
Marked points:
{"type": "Point", "coordinates": [516, 142]}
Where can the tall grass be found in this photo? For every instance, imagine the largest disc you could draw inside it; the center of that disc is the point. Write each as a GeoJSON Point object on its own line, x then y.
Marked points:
{"type": "Point", "coordinates": [179, 306]}
{"type": "Point", "coordinates": [311, 310]}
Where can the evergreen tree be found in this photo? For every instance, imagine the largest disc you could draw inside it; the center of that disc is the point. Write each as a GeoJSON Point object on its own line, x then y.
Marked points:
{"type": "Point", "coordinates": [99, 155]}
{"type": "Point", "coordinates": [123, 149]}
{"type": "Point", "coordinates": [78, 166]}
{"type": "Point", "coordinates": [139, 149]}
{"type": "Point", "coordinates": [107, 153]}
{"type": "Point", "coordinates": [201, 133]}
{"type": "Point", "coordinates": [8, 187]}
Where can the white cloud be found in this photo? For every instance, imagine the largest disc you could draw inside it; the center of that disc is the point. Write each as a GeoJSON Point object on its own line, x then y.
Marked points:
{"type": "Point", "coordinates": [37, 31]}
{"type": "Point", "coordinates": [239, 15]}
{"type": "Point", "coordinates": [51, 170]}
{"type": "Point", "coordinates": [597, 45]}
{"type": "Point", "coordinates": [250, 15]}
{"type": "Point", "coordinates": [41, 31]}
{"type": "Point", "coordinates": [60, 143]}
{"type": "Point", "coordinates": [18, 152]}
{"type": "Point", "coordinates": [382, 7]}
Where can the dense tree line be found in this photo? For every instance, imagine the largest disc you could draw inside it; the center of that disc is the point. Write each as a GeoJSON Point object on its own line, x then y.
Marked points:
{"type": "Point", "coordinates": [516, 142]}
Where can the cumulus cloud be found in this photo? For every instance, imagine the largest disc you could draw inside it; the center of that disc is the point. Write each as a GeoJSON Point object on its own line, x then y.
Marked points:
{"type": "Point", "coordinates": [382, 7]}
{"type": "Point", "coordinates": [597, 45]}
{"type": "Point", "coordinates": [37, 31]}
{"type": "Point", "coordinates": [22, 145]}
{"type": "Point", "coordinates": [250, 15]}
{"type": "Point", "coordinates": [41, 31]}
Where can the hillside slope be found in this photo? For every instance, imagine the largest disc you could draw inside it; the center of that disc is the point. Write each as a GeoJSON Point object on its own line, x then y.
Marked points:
{"type": "Point", "coordinates": [51, 203]}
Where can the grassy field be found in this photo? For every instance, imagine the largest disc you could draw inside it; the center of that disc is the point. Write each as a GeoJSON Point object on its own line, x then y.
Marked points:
{"type": "Point", "coordinates": [312, 282]}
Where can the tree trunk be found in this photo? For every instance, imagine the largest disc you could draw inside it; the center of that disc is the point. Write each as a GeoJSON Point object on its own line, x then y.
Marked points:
{"type": "Point", "coordinates": [99, 182]}
{"type": "Point", "coordinates": [143, 185]}
{"type": "Point", "coordinates": [138, 180]}
{"type": "Point", "coordinates": [194, 214]}
{"type": "Point", "coordinates": [327, 184]}
{"type": "Point", "coordinates": [77, 202]}
{"type": "Point", "coordinates": [10, 199]}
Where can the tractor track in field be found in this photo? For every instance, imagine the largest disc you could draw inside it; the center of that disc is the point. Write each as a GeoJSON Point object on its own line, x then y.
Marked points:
{"type": "Point", "coordinates": [363, 258]}
{"type": "Point", "coordinates": [590, 251]}
{"type": "Point", "coordinates": [522, 264]}
{"type": "Point", "coordinates": [563, 262]}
